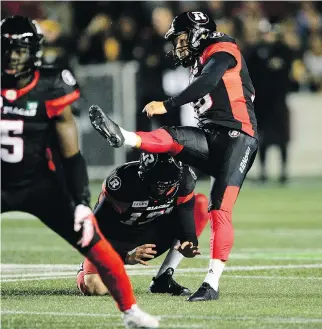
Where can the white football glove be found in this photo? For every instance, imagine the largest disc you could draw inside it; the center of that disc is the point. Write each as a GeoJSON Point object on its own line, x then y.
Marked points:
{"type": "Point", "coordinates": [84, 218]}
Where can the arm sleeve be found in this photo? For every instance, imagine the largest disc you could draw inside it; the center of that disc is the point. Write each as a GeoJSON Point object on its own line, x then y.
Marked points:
{"type": "Point", "coordinates": [186, 222]}
{"type": "Point", "coordinates": [77, 179]}
{"type": "Point", "coordinates": [211, 74]}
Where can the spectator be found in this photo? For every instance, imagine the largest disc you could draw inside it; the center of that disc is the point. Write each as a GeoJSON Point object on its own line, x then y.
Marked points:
{"type": "Point", "coordinates": [313, 61]}
{"type": "Point", "coordinates": [308, 20]}
{"type": "Point", "coordinates": [57, 49]}
{"type": "Point", "coordinates": [150, 52]}
{"type": "Point", "coordinates": [216, 9]}
{"type": "Point", "coordinates": [127, 33]}
{"type": "Point", "coordinates": [97, 43]}
{"type": "Point", "coordinates": [31, 9]}
{"type": "Point", "coordinates": [270, 64]}
{"type": "Point", "coordinates": [247, 20]}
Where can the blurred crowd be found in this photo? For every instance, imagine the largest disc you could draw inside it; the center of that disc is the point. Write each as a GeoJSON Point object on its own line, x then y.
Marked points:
{"type": "Point", "coordinates": [105, 31]}
{"type": "Point", "coordinates": [281, 43]}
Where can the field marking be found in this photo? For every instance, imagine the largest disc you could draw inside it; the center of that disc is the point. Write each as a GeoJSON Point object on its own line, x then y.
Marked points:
{"type": "Point", "coordinates": [58, 276]}
{"type": "Point", "coordinates": [7, 267]}
{"type": "Point", "coordinates": [8, 312]}
{"type": "Point", "coordinates": [269, 319]}
{"type": "Point", "coordinates": [38, 278]}
{"type": "Point", "coordinates": [142, 271]}
{"type": "Point", "coordinates": [286, 255]}
{"type": "Point", "coordinates": [267, 257]}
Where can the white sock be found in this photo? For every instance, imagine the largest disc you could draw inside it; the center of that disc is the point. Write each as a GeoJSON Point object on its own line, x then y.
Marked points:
{"type": "Point", "coordinates": [133, 308]}
{"type": "Point", "coordinates": [216, 267]}
{"type": "Point", "coordinates": [130, 138]}
{"type": "Point", "coordinates": [173, 259]}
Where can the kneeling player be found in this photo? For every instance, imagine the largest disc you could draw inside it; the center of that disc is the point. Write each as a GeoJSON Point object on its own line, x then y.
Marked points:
{"type": "Point", "coordinates": [147, 207]}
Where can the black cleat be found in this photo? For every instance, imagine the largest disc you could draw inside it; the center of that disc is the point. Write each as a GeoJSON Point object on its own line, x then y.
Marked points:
{"type": "Point", "coordinates": [205, 292]}
{"type": "Point", "coordinates": [106, 126]}
{"type": "Point", "coordinates": [165, 284]}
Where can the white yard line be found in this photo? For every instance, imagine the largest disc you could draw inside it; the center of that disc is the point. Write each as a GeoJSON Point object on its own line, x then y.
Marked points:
{"type": "Point", "coordinates": [38, 278]}
{"type": "Point", "coordinates": [268, 257]}
{"type": "Point", "coordinates": [54, 272]}
{"type": "Point", "coordinates": [269, 319]}
{"type": "Point", "coordinates": [7, 266]}
{"type": "Point", "coordinates": [59, 276]}
{"type": "Point", "coordinates": [33, 275]}
{"type": "Point", "coordinates": [39, 267]}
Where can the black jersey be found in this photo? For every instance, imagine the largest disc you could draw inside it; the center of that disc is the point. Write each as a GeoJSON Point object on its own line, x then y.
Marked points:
{"type": "Point", "coordinates": [26, 124]}
{"type": "Point", "coordinates": [230, 104]}
{"type": "Point", "coordinates": [129, 195]}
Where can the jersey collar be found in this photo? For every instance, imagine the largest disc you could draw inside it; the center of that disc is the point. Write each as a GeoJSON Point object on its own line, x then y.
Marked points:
{"type": "Point", "coordinates": [12, 94]}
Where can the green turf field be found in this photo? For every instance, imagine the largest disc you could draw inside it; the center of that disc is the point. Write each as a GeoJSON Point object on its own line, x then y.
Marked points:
{"type": "Point", "coordinates": [273, 279]}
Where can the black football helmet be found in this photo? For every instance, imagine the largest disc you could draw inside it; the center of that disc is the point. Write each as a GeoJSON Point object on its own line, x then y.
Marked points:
{"type": "Point", "coordinates": [198, 26]}
{"type": "Point", "coordinates": [20, 32]}
{"type": "Point", "coordinates": [161, 173]}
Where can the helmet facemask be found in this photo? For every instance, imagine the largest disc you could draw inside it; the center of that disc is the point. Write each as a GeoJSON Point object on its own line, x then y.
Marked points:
{"type": "Point", "coordinates": [161, 174]}
{"type": "Point", "coordinates": [194, 47]}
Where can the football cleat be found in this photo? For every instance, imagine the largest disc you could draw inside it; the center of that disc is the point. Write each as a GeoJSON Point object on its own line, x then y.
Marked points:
{"type": "Point", "coordinates": [166, 284]}
{"type": "Point", "coordinates": [205, 292]}
{"type": "Point", "coordinates": [136, 318]}
{"type": "Point", "coordinates": [106, 126]}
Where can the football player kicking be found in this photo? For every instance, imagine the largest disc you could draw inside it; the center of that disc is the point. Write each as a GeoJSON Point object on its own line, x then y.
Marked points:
{"type": "Point", "coordinates": [225, 144]}
{"type": "Point", "coordinates": [35, 107]}
{"type": "Point", "coordinates": [147, 207]}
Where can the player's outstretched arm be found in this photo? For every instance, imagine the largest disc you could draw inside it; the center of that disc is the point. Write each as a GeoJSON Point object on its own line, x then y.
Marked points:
{"type": "Point", "coordinates": [75, 173]}
{"type": "Point", "coordinates": [185, 227]}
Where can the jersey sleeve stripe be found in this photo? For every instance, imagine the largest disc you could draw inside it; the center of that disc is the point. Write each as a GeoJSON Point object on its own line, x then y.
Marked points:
{"type": "Point", "coordinates": [184, 199]}
{"type": "Point", "coordinates": [233, 84]}
{"type": "Point", "coordinates": [234, 87]}
{"type": "Point", "coordinates": [55, 106]}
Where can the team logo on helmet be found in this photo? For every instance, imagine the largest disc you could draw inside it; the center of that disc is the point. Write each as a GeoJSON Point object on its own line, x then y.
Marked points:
{"type": "Point", "coordinates": [149, 159]}
{"type": "Point", "coordinates": [114, 183]}
{"type": "Point", "coordinates": [198, 17]}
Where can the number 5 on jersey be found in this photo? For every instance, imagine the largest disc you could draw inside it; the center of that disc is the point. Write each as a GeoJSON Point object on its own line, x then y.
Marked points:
{"type": "Point", "coordinates": [11, 146]}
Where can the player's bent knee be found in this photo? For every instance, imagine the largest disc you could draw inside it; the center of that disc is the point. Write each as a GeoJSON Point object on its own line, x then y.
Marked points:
{"type": "Point", "coordinates": [94, 285]}
{"type": "Point", "coordinates": [201, 201]}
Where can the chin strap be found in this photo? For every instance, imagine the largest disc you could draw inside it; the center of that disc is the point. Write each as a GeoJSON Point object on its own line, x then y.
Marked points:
{"type": "Point", "coordinates": [10, 80]}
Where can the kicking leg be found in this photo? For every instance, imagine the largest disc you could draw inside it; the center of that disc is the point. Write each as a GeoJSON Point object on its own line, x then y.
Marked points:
{"type": "Point", "coordinates": [189, 144]}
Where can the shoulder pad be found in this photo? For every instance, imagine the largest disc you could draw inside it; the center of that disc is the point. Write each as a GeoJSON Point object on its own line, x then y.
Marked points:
{"type": "Point", "coordinates": [188, 181]}
{"type": "Point", "coordinates": [58, 82]}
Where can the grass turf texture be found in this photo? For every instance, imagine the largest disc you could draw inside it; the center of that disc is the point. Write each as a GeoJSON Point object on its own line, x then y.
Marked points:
{"type": "Point", "coordinates": [273, 279]}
